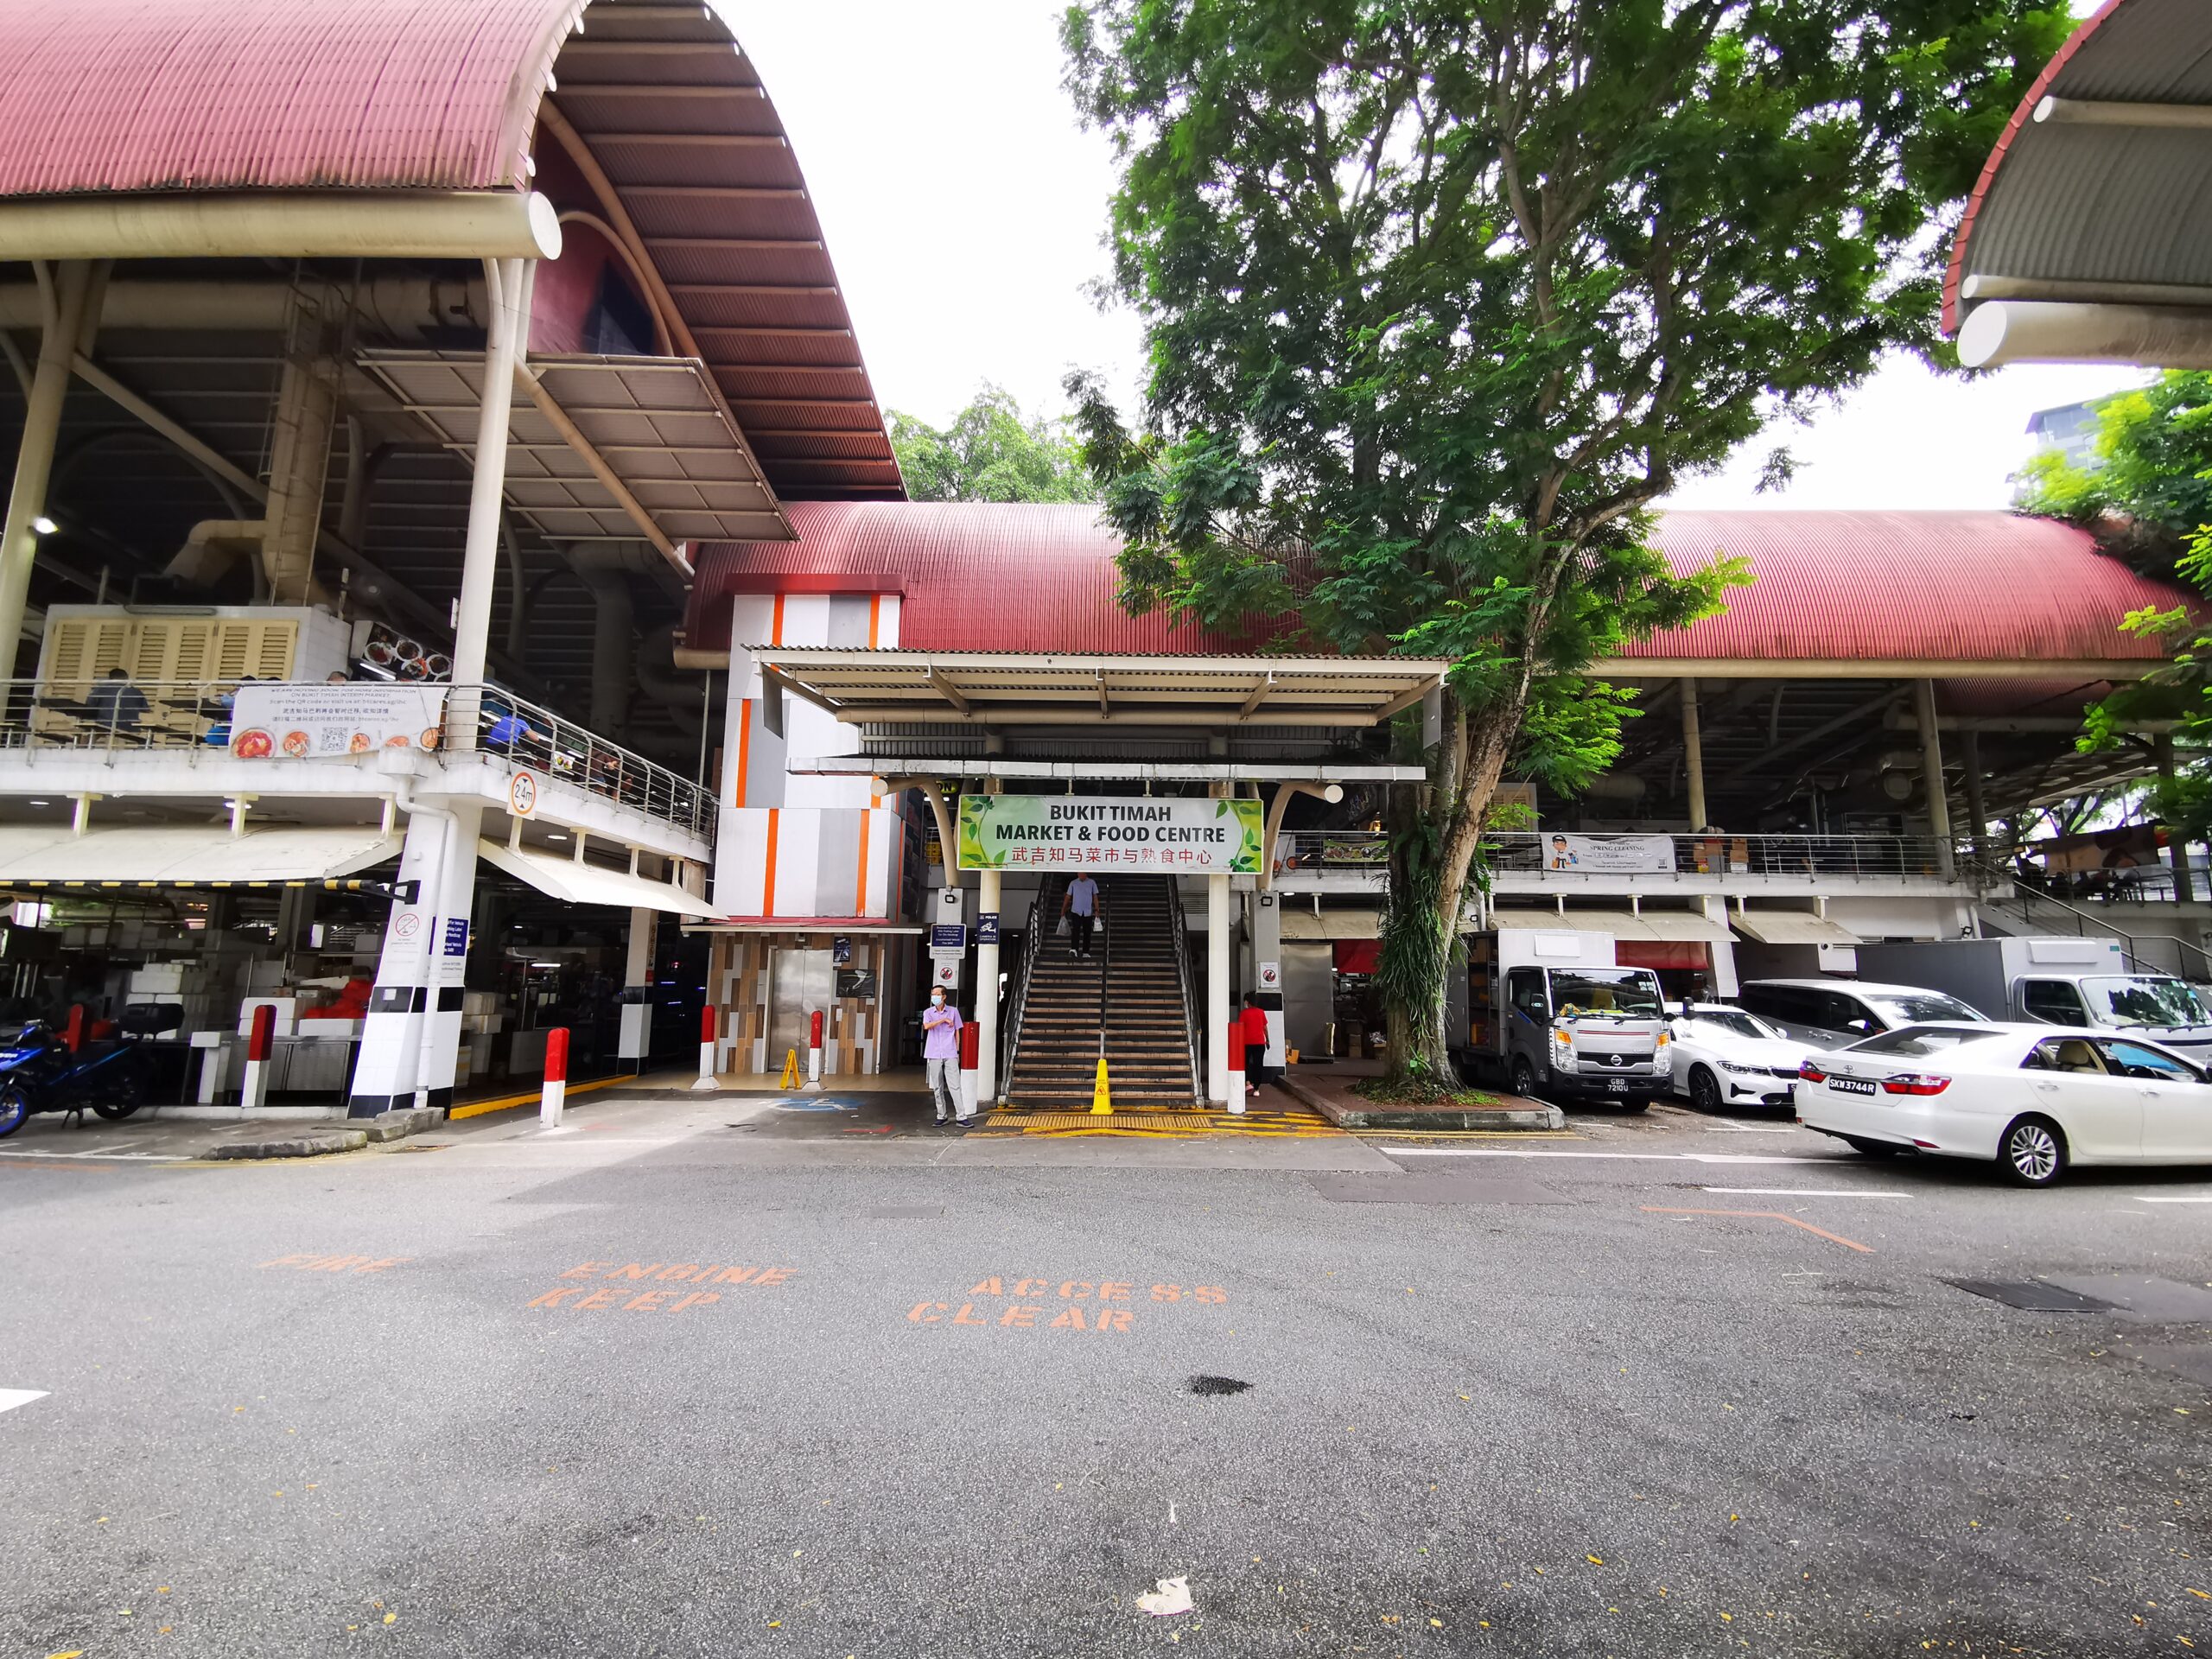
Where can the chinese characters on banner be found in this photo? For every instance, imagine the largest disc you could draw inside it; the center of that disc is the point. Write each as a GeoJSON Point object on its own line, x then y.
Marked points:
{"type": "Point", "coordinates": [307, 722]}
{"type": "Point", "coordinates": [1195, 836]}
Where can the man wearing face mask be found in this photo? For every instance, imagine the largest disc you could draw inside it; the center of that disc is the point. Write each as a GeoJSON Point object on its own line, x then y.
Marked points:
{"type": "Point", "coordinates": [941, 1025]}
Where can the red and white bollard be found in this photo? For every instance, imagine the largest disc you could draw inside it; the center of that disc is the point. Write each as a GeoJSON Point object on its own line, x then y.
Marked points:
{"type": "Point", "coordinates": [1235, 1101]}
{"type": "Point", "coordinates": [253, 1089]}
{"type": "Point", "coordinates": [814, 1051]}
{"type": "Point", "coordinates": [555, 1092]}
{"type": "Point", "coordinates": [971, 1050]}
{"type": "Point", "coordinates": [708, 1032]}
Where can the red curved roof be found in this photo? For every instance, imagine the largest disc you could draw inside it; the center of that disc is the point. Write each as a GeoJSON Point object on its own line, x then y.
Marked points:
{"type": "Point", "coordinates": [135, 96]}
{"type": "Point", "coordinates": [1925, 587]}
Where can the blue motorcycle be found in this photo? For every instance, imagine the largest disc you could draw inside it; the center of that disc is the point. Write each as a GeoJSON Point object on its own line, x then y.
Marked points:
{"type": "Point", "coordinates": [39, 1072]}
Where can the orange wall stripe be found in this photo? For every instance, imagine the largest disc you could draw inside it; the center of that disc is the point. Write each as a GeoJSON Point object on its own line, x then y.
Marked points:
{"type": "Point", "coordinates": [859, 899]}
{"type": "Point", "coordinates": [768, 880]}
{"type": "Point", "coordinates": [744, 748]}
{"type": "Point", "coordinates": [776, 623]}
{"type": "Point", "coordinates": [874, 618]}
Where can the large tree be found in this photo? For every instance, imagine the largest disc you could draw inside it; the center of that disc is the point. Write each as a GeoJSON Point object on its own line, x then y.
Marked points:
{"type": "Point", "coordinates": [990, 452]}
{"type": "Point", "coordinates": [1441, 295]}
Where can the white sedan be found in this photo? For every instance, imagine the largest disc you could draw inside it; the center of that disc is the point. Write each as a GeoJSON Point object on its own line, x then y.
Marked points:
{"type": "Point", "coordinates": [1725, 1057]}
{"type": "Point", "coordinates": [2035, 1098]}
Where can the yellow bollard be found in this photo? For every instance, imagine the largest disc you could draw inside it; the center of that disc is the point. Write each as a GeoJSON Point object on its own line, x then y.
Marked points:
{"type": "Point", "coordinates": [1102, 1099]}
{"type": "Point", "coordinates": [791, 1070]}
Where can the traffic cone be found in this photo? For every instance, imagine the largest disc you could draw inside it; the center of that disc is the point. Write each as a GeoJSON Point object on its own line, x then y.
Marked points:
{"type": "Point", "coordinates": [1102, 1099]}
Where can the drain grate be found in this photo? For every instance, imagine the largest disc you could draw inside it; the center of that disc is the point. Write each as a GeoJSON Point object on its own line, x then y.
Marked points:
{"type": "Point", "coordinates": [1218, 1385]}
{"type": "Point", "coordinates": [2032, 1296]}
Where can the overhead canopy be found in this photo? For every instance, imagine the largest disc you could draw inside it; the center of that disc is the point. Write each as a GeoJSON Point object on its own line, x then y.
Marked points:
{"type": "Point", "coordinates": [2085, 239]}
{"type": "Point", "coordinates": [1022, 689]}
{"type": "Point", "coordinates": [1790, 927]}
{"type": "Point", "coordinates": [1303, 925]}
{"type": "Point", "coordinates": [196, 855]}
{"type": "Point", "coordinates": [577, 883]}
{"type": "Point", "coordinates": [1678, 925]}
{"type": "Point", "coordinates": [680, 471]}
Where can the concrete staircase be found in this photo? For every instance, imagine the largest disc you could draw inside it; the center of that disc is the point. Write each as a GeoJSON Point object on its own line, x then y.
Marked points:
{"type": "Point", "coordinates": [1148, 1038]}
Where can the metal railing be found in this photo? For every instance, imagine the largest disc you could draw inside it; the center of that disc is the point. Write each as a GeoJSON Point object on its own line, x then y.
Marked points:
{"type": "Point", "coordinates": [1629, 852]}
{"type": "Point", "coordinates": [2030, 901]}
{"type": "Point", "coordinates": [1179, 931]}
{"type": "Point", "coordinates": [1033, 942]}
{"type": "Point", "coordinates": [496, 722]}
{"type": "Point", "coordinates": [195, 719]}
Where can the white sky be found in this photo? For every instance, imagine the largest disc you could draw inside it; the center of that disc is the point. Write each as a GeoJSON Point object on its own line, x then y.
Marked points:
{"type": "Point", "coordinates": [964, 208]}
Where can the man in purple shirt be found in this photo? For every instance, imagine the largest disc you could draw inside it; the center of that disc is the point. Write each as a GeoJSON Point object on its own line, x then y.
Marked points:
{"type": "Point", "coordinates": [941, 1025]}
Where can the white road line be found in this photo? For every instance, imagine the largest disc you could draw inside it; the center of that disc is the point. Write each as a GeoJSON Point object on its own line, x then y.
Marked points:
{"type": "Point", "coordinates": [1633, 1157]}
{"type": "Point", "coordinates": [7, 1151]}
{"type": "Point", "coordinates": [1802, 1192]}
{"type": "Point", "coordinates": [10, 1398]}
{"type": "Point", "coordinates": [2145, 1198]}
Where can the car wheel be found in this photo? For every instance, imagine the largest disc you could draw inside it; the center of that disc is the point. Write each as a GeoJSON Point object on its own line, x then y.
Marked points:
{"type": "Point", "coordinates": [15, 1107]}
{"type": "Point", "coordinates": [1860, 1144]}
{"type": "Point", "coordinates": [2033, 1152]}
{"type": "Point", "coordinates": [1705, 1090]}
{"type": "Point", "coordinates": [1524, 1078]}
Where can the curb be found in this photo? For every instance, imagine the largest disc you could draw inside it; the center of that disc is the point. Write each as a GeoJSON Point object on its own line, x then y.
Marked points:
{"type": "Point", "coordinates": [1533, 1118]}
{"type": "Point", "coordinates": [314, 1143]}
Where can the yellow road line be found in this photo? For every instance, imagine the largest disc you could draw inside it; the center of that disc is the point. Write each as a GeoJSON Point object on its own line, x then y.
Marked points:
{"type": "Point", "coordinates": [508, 1102]}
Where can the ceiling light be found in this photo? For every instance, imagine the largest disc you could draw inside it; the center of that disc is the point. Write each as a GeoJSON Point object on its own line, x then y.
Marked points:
{"type": "Point", "coordinates": [44, 525]}
{"type": "Point", "coordinates": [42, 803]}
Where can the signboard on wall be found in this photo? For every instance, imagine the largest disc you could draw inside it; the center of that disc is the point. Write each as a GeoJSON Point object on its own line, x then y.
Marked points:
{"type": "Point", "coordinates": [312, 723]}
{"type": "Point", "coordinates": [1100, 832]}
{"type": "Point", "coordinates": [1607, 854]}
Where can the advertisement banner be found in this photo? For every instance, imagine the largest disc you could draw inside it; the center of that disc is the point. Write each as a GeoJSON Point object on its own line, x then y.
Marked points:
{"type": "Point", "coordinates": [302, 723]}
{"type": "Point", "coordinates": [1097, 833]}
{"type": "Point", "coordinates": [1608, 854]}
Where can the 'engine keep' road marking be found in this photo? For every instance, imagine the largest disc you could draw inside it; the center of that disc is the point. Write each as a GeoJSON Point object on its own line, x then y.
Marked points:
{"type": "Point", "coordinates": [10, 1398]}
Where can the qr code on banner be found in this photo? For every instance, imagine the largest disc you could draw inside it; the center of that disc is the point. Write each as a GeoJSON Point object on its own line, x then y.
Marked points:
{"type": "Point", "coordinates": [330, 740]}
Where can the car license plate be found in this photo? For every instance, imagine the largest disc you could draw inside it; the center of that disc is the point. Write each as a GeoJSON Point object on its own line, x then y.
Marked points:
{"type": "Point", "coordinates": [1616, 1085]}
{"type": "Point", "coordinates": [1851, 1085]}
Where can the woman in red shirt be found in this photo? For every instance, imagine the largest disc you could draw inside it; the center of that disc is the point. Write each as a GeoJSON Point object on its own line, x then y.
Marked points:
{"type": "Point", "coordinates": [1254, 1022]}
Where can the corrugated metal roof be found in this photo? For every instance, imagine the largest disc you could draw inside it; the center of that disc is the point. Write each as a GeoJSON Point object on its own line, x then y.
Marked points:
{"type": "Point", "coordinates": [2062, 202]}
{"type": "Point", "coordinates": [1938, 587]}
{"type": "Point", "coordinates": [132, 96]}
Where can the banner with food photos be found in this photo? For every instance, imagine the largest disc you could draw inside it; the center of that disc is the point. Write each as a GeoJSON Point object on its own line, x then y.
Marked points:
{"type": "Point", "coordinates": [311, 723]}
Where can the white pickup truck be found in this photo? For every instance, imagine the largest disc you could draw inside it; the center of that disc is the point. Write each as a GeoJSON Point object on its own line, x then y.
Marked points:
{"type": "Point", "coordinates": [1552, 1013]}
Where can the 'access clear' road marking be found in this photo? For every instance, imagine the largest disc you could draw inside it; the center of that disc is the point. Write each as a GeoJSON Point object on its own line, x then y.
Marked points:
{"type": "Point", "coordinates": [10, 1398]}
{"type": "Point", "coordinates": [1633, 1157]}
{"type": "Point", "coordinates": [1802, 1192]}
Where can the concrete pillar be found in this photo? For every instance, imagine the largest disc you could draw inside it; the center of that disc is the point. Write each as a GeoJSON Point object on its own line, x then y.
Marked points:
{"type": "Point", "coordinates": [1216, 1048]}
{"type": "Point", "coordinates": [57, 349]}
{"type": "Point", "coordinates": [1267, 953]}
{"type": "Point", "coordinates": [388, 1069]}
{"type": "Point", "coordinates": [510, 281]}
{"type": "Point", "coordinates": [2177, 841]}
{"type": "Point", "coordinates": [1977, 808]}
{"type": "Point", "coordinates": [635, 1039]}
{"type": "Point", "coordinates": [987, 988]}
{"type": "Point", "coordinates": [298, 451]}
{"type": "Point", "coordinates": [1694, 756]}
{"type": "Point", "coordinates": [1931, 774]}
{"type": "Point", "coordinates": [449, 957]}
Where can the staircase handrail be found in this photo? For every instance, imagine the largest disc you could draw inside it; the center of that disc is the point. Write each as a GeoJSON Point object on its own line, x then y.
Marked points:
{"type": "Point", "coordinates": [1033, 942]}
{"type": "Point", "coordinates": [2032, 896]}
{"type": "Point", "coordinates": [1179, 932]}
{"type": "Point", "coordinates": [1105, 939]}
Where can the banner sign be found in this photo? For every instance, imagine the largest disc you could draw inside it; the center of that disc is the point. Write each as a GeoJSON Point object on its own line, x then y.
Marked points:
{"type": "Point", "coordinates": [1096, 832]}
{"type": "Point", "coordinates": [1608, 854]}
{"type": "Point", "coordinates": [300, 722]}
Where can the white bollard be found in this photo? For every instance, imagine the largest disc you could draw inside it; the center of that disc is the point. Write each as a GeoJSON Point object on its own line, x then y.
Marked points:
{"type": "Point", "coordinates": [707, 1035]}
{"type": "Point", "coordinates": [253, 1090]}
{"type": "Point", "coordinates": [556, 1093]}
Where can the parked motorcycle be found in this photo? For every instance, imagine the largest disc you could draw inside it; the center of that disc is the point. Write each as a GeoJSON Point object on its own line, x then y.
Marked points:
{"type": "Point", "coordinates": [39, 1072]}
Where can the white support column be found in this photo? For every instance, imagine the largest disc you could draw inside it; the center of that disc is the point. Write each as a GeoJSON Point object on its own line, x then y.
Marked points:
{"type": "Point", "coordinates": [509, 282]}
{"type": "Point", "coordinates": [449, 958]}
{"type": "Point", "coordinates": [1694, 756]}
{"type": "Point", "coordinates": [636, 1035]}
{"type": "Point", "coordinates": [57, 348]}
{"type": "Point", "coordinates": [1931, 774]}
{"type": "Point", "coordinates": [987, 990]}
{"type": "Point", "coordinates": [1218, 1079]}
{"type": "Point", "coordinates": [388, 1068]}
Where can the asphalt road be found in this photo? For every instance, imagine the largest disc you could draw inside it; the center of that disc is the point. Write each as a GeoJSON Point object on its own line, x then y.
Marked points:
{"type": "Point", "coordinates": [658, 1385]}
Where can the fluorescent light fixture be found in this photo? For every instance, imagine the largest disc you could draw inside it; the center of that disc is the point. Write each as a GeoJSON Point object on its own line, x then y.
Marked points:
{"type": "Point", "coordinates": [44, 525]}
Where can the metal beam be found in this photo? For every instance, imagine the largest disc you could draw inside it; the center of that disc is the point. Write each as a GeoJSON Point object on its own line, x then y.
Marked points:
{"type": "Point", "coordinates": [1260, 695]}
{"type": "Point", "coordinates": [1078, 716]}
{"type": "Point", "coordinates": [1873, 667]}
{"type": "Point", "coordinates": [951, 693]}
{"type": "Point", "coordinates": [1853, 717]}
{"type": "Point", "coordinates": [557, 417]}
{"type": "Point", "coordinates": [2109, 112]}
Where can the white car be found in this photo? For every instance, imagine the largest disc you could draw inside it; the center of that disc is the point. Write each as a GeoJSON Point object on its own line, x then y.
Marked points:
{"type": "Point", "coordinates": [2033, 1098]}
{"type": "Point", "coordinates": [1725, 1057]}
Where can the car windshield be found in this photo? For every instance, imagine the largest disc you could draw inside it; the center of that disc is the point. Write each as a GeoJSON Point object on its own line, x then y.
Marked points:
{"type": "Point", "coordinates": [1918, 1040]}
{"type": "Point", "coordinates": [1623, 992]}
{"type": "Point", "coordinates": [1736, 1024]}
{"type": "Point", "coordinates": [2144, 999]}
{"type": "Point", "coordinates": [1913, 1007]}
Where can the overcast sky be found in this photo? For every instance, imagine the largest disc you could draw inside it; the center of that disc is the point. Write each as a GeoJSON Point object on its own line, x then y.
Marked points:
{"type": "Point", "coordinates": [964, 206]}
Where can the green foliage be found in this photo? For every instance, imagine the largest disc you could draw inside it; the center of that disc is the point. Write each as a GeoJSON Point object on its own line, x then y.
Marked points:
{"type": "Point", "coordinates": [2152, 485]}
{"type": "Point", "coordinates": [2181, 691]}
{"type": "Point", "coordinates": [989, 453]}
{"type": "Point", "coordinates": [1441, 294]}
